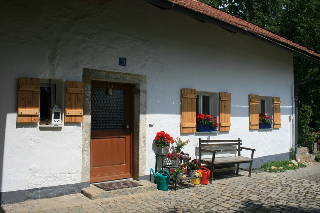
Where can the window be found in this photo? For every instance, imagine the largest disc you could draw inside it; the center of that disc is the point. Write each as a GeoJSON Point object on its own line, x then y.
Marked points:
{"type": "Point", "coordinates": [50, 96]}
{"type": "Point", "coordinates": [215, 104]}
{"type": "Point", "coordinates": [39, 98]}
{"type": "Point", "coordinates": [262, 106]}
{"type": "Point", "coordinates": [207, 103]}
{"type": "Point", "coordinates": [266, 105]}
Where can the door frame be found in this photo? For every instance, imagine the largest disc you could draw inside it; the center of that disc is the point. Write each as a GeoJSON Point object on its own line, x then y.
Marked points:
{"type": "Point", "coordinates": [139, 117]}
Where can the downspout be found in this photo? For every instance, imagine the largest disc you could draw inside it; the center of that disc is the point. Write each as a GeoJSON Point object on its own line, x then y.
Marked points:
{"type": "Point", "coordinates": [296, 103]}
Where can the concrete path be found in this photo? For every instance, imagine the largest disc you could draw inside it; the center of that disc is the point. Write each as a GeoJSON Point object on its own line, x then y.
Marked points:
{"type": "Point", "coordinates": [291, 191]}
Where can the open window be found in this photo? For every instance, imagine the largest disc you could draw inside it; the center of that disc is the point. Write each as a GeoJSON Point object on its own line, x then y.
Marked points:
{"type": "Point", "coordinates": [215, 104]}
{"type": "Point", "coordinates": [207, 103]}
{"type": "Point", "coordinates": [50, 102]}
{"type": "Point", "coordinates": [264, 106]}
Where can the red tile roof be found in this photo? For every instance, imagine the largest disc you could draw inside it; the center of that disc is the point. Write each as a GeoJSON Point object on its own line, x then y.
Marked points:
{"type": "Point", "coordinates": [249, 27]}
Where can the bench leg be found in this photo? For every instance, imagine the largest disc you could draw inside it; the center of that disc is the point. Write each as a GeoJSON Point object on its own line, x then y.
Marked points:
{"type": "Point", "coordinates": [250, 169]}
{"type": "Point", "coordinates": [237, 168]}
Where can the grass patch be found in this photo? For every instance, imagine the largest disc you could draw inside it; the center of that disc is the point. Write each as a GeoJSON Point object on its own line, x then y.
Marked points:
{"type": "Point", "coordinates": [281, 166]}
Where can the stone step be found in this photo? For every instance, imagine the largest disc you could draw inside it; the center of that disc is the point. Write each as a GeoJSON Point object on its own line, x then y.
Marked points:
{"type": "Point", "coordinates": [94, 192]}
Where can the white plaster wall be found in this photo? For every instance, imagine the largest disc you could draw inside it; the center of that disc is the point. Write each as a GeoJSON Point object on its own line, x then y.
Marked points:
{"type": "Point", "coordinates": [57, 39]}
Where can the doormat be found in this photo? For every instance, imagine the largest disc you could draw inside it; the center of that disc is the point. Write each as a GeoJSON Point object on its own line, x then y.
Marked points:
{"type": "Point", "coordinates": [117, 185]}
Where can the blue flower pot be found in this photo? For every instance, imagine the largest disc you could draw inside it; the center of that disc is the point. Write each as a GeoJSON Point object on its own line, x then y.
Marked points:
{"type": "Point", "coordinates": [212, 128]}
{"type": "Point", "coordinates": [264, 126]}
{"type": "Point", "coordinates": [203, 128]}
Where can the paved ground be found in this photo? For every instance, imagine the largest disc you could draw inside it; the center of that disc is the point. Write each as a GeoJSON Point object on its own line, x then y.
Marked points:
{"type": "Point", "coordinates": [291, 191]}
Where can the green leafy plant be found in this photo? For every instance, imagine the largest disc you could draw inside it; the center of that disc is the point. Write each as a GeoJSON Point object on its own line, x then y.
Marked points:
{"type": "Point", "coordinates": [175, 172]}
{"type": "Point", "coordinates": [281, 166]}
{"type": "Point", "coordinates": [317, 158]}
{"type": "Point", "coordinates": [292, 154]}
{"type": "Point", "coordinates": [306, 136]}
{"type": "Point", "coordinates": [192, 164]}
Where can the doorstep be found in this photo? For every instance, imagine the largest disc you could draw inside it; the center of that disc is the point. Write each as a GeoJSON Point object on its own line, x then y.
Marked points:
{"type": "Point", "coordinates": [94, 192]}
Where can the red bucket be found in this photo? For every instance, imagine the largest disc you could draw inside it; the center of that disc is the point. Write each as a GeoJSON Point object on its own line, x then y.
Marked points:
{"type": "Point", "coordinates": [205, 175]}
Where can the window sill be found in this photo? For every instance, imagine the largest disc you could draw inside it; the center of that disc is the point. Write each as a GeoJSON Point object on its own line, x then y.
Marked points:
{"type": "Point", "coordinates": [206, 133]}
{"type": "Point", "coordinates": [264, 130]}
{"type": "Point", "coordinates": [51, 126]}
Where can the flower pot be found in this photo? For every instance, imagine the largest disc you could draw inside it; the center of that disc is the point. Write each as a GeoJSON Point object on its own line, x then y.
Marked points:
{"type": "Point", "coordinates": [179, 176]}
{"type": "Point", "coordinates": [175, 162]}
{"type": "Point", "coordinates": [264, 126]}
{"type": "Point", "coordinates": [191, 173]}
{"type": "Point", "coordinates": [212, 128]}
{"type": "Point", "coordinates": [203, 128]}
{"type": "Point", "coordinates": [175, 149]}
{"type": "Point", "coordinates": [162, 150]}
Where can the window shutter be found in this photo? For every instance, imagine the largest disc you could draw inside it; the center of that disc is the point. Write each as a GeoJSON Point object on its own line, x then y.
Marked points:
{"type": "Point", "coordinates": [254, 111]}
{"type": "Point", "coordinates": [74, 102]}
{"type": "Point", "coordinates": [276, 113]}
{"type": "Point", "coordinates": [225, 112]}
{"type": "Point", "coordinates": [28, 100]}
{"type": "Point", "coordinates": [188, 110]}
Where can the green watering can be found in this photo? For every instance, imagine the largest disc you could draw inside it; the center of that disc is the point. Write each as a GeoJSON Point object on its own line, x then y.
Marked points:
{"type": "Point", "coordinates": [162, 179]}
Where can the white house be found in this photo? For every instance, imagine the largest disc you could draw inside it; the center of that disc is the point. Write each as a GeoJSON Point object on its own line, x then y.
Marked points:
{"type": "Point", "coordinates": [120, 71]}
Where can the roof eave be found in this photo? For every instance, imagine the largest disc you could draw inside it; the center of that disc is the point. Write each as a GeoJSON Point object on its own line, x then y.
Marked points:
{"type": "Point", "coordinates": [164, 4]}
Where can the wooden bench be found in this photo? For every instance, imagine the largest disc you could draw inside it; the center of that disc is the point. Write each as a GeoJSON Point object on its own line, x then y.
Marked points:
{"type": "Point", "coordinates": [224, 146]}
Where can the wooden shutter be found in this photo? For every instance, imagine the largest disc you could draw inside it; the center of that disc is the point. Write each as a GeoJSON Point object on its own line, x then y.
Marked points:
{"type": "Point", "coordinates": [225, 112]}
{"type": "Point", "coordinates": [254, 111]}
{"type": "Point", "coordinates": [28, 100]}
{"type": "Point", "coordinates": [74, 101]}
{"type": "Point", "coordinates": [276, 113]}
{"type": "Point", "coordinates": [188, 110]}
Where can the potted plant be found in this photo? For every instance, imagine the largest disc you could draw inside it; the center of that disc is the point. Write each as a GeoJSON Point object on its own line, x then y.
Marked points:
{"type": "Point", "coordinates": [192, 166]}
{"type": "Point", "coordinates": [206, 123]}
{"type": "Point", "coordinates": [176, 173]}
{"type": "Point", "coordinates": [163, 141]}
{"type": "Point", "coordinates": [180, 144]}
{"type": "Point", "coordinates": [264, 121]}
{"type": "Point", "coordinates": [175, 157]}
{"type": "Point", "coordinates": [213, 123]}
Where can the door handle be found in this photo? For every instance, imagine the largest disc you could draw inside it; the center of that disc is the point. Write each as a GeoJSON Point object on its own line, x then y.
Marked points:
{"type": "Point", "coordinates": [128, 129]}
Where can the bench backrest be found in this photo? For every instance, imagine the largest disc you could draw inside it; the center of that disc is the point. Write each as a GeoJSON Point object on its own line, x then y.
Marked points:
{"type": "Point", "coordinates": [220, 145]}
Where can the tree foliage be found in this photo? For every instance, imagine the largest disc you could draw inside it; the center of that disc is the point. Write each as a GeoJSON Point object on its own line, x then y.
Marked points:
{"type": "Point", "coordinates": [297, 20]}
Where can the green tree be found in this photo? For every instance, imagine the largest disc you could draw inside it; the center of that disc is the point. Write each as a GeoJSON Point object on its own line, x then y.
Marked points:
{"type": "Point", "coordinates": [306, 136]}
{"type": "Point", "coordinates": [297, 20]}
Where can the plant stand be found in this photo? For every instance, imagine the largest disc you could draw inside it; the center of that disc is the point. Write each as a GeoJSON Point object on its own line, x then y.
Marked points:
{"type": "Point", "coordinates": [186, 178]}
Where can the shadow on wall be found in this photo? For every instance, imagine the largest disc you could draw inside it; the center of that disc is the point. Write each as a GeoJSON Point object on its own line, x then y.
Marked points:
{"type": "Point", "coordinates": [2, 136]}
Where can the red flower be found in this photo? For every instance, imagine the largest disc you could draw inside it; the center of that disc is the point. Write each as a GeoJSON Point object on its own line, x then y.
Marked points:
{"type": "Point", "coordinates": [163, 139]}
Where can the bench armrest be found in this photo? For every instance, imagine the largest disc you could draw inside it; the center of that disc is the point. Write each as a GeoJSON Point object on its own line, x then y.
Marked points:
{"type": "Point", "coordinates": [247, 148]}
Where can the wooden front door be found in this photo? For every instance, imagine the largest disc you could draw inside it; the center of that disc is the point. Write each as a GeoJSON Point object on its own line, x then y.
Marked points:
{"type": "Point", "coordinates": [111, 131]}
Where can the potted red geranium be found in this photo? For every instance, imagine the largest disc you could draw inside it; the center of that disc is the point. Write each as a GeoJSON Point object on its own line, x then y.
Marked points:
{"type": "Point", "coordinates": [163, 141]}
{"type": "Point", "coordinates": [264, 121]}
{"type": "Point", "coordinates": [205, 123]}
